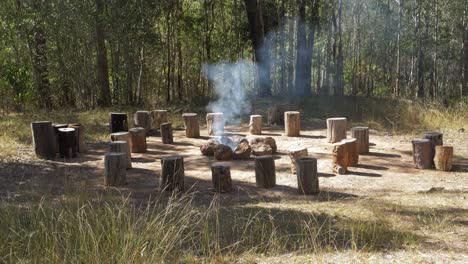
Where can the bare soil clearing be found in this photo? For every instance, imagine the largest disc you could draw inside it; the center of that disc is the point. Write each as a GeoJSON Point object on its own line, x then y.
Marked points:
{"type": "Point", "coordinates": [385, 185]}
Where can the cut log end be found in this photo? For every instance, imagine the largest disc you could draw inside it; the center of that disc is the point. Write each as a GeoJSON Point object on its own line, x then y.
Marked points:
{"type": "Point", "coordinates": [336, 129]}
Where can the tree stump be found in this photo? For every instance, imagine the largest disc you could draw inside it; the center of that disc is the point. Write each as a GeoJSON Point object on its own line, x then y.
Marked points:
{"type": "Point", "coordinates": [166, 133]}
{"type": "Point", "coordinates": [172, 173]}
{"type": "Point", "coordinates": [436, 139]}
{"type": "Point", "coordinates": [159, 117]}
{"type": "Point", "coordinates": [137, 137]}
{"type": "Point", "coordinates": [56, 135]}
{"type": "Point", "coordinates": [422, 153]}
{"type": "Point", "coordinates": [192, 128]}
{"type": "Point", "coordinates": [143, 119]}
{"type": "Point", "coordinates": [336, 129]}
{"type": "Point", "coordinates": [255, 125]}
{"type": "Point", "coordinates": [295, 154]}
{"type": "Point", "coordinates": [340, 157]}
{"type": "Point", "coordinates": [361, 134]}
{"type": "Point", "coordinates": [215, 123]}
{"type": "Point", "coordinates": [118, 122]}
{"type": "Point", "coordinates": [122, 146]}
{"type": "Point", "coordinates": [265, 174]}
{"type": "Point", "coordinates": [443, 158]}
{"type": "Point", "coordinates": [292, 126]}
{"type": "Point", "coordinates": [352, 152]}
{"type": "Point", "coordinates": [275, 115]}
{"type": "Point", "coordinates": [67, 142]}
{"type": "Point", "coordinates": [115, 164]}
{"type": "Point", "coordinates": [221, 177]}
{"type": "Point", "coordinates": [43, 139]}
{"type": "Point", "coordinates": [307, 177]}
{"type": "Point", "coordinates": [79, 135]}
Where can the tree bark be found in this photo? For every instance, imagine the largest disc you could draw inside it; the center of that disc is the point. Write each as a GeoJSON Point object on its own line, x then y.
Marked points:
{"type": "Point", "coordinates": [361, 134]}
{"type": "Point", "coordinates": [137, 140]}
{"type": "Point", "coordinates": [443, 158]}
{"type": "Point", "coordinates": [340, 157]}
{"type": "Point", "coordinates": [307, 177]}
{"type": "Point", "coordinates": [436, 139]}
{"type": "Point", "coordinates": [192, 128]}
{"type": "Point", "coordinates": [255, 125]}
{"type": "Point", "coordinates": [43, 139]}
{"type": "Point", "coordinates": [122, 147]}
{"type": "Point", "coordinates": [336, 129]}
{"type": "Point", "coordinates": [292, 120]}
{"type": "Point", "coordinates": [422, 153]}
{"type": "Point", "coordinates": [115, 164]}
{"type": "Point", "coordinates": [294, 155]}
{"type": "Point", "coordinates": [352, 152]}
{"type": "Point", "coordinates": [103, 71]}
{"type": "Point", "coordinates": [221, 178]}
{"type": "Point", "coordinates": [67, 142]}
{"type": "Point", "coordinates": [265, 174]}
{"type": "Point", "coordinates": [166, 133]}
{"type": "Point", "coordinates": [172, 173]}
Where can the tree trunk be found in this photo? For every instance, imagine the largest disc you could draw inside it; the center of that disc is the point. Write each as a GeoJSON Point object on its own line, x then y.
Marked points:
{"type": "Point", "coordinates": [292, 120]}
{"type": "Point", "coordinates": [172, 173]}
{"type": "Point", "coordinates": [43, 139]}
{"type": "Point", "coordinates": [122, 147]}
{"type": "Point", "coordinates": [420, 92]}
{"type": "Point", "coordinates": [215, 123]}
{"type": "Point", "coordinates": [257, 34]}
{"type": "Point", "coordinates": [221, 177]}
{"type": "Point", "coordinates": [166, 133]}
{"type": "Point", "coordinates": [336, 129]}
{"type": "Point", "coordinates": [255, 125]}
{"type": "Point", "coordinates": [118, 122]}
{"type": "Point", "coordinates": [192, 128]}
{"type": "Point", "coordinates": [443, 158]}
{"type": "Point", "coordinates": [396, 92]}
{"type": "Point", "coordinates": [307, 177]}
{"type": "Point", "coordinates": [115, 164]}
{"type": "Point", "coordinates": [104, 98]}
{"type": "Point", "coordinates": [265, 174]}
{"type": "Point", "coordinates": [422, 153]}
{"type": "Point", "coordinates": [339, 59]}
{"type": "Point", "coordinates": [361, 134]}
{"type": "Point", "coordinates": [137, 138]}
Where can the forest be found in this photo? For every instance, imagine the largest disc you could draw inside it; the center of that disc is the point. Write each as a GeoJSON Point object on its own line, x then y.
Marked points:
{"type": "Point", "coordinates": [90, 53]}
{"type": "Point", "coordinates": [233, 131]}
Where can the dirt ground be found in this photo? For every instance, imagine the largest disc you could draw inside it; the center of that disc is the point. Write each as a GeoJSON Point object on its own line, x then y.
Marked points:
{"type": "Point", "coordinates": [386, 175]}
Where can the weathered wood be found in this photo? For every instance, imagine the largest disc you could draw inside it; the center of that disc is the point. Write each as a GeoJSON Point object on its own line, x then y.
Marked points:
{"type": "Point", "coordinates": [351, 151]}
{"type": "Point", "coordinates": [221, 177]}
{"type": "Point", "coordinates": [223, 152]}
{"type": "Point", "coordinates": [339, 156]}
{"type": "Point", "coordinates": [362, 136]}
{"type": "Point", "coordinates": [166, 133]}
{"type": "Point", "coordinates": [67, 142]}
{"type": "Point", "coordinates": [436, 139]}
{"type": "Point", "coordinates": [265, 173]}
{"type": "Point", "coordinates": [443, 158]}
{"type": "Point", "coordinates": [192, 128]}
{"type": "Point", "coordinates": [137, 137]}
{"type": "Point", "coordinates": [159, 117]}
{"type": "Point", "coordinates": [215, 123]}
{"type": "Point", "coordinates": [172, 173]}
{"type": "Point", "coordinates": [255, 125]}
{"type": "Point", "coordinates": [295, 154]}
{"type": "Point", "coordinates": [118, 122]}
{"type": "Point", "coordinates": [243, 150]}
{"type": "Point", "coordinates": [56, 134]}
{"type": "Point", "coordinates": [336, 129]}
{"type": "Point", "coordinates": [43, 139]}
{"type": "Point", "coordinates": [79, 131]}
{"type": "Point", "coordinates": [142, 119]}
{"type": "Point", "coordinates": [422, 153]}
{"type": "Point", "coordinates": [292, 123]}
{"type": "Point", "coordinates": [121, 146]}
{"type": "Point", "coordinates": [307, 177]}
{"type": "Point", "coordinates": [337, 169]}
{"type": "Point", "coordinates": [115, 164]}
{"type": "Point", "coordinates": [123, 136]}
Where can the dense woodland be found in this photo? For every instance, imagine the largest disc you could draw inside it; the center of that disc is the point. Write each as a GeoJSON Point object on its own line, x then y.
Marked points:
{"type": "Point", "coordinates": [89, 53]}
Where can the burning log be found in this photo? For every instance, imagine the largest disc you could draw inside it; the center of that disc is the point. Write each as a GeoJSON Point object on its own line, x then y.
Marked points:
{"type": "Point", "coordinates": [122, 146]}
{"type": "Point", "coordinates": [265, 174]}
{"type": "Point", "coordinates": [166, 133]}
{"type": "Point", "coordinates": [137, 140]}
{"type": "Point", "coordinates": [223, 152]}
{"type": "Point", "coordinates": [336, 129]}
{"type": "Point", "coordinates": [361, 134]}
{"type": "Point", "coordinates": [443, 158]}
{"type": "Point", "coordinates": [215, 123]}
{"type": "Point", "coordinates": [422, 153]}
{"type": "Point", "coordinates": [158, 117]}
{"type": "Point", "coordinates": [307, 177]}
{"type": "Point", "coordinates": [143, 119]}
{"type": "Point", "coordinates": [118, 122]}
{"type": "Point", "coordinates": [243, 150]}
{"type": "Point", "coordinates": [192, 129]}
{"type": "Point", "coordinates": [295, 154]}
{"type": "Point", "coordinates": [255, 125]}
{"type": "Point", "coordinates": [172, 173]}
{"type": "Point", "coordinates": [208, 148]}
{"type": "Point", "coordinates": [292, 120]}
{"type": "Point", "coordinates": [221, 178]}
{"type": "Point", "coordinates": [115, 164]}
{"type": "Point", "coordinates": [263, 140]}
{"type": "Point", "coordinates": [43, 139]}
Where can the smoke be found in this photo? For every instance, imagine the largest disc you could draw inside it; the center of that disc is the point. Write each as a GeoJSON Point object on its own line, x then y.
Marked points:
{"type": "Point", "coordinates": [229, 81]}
